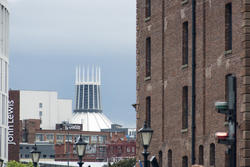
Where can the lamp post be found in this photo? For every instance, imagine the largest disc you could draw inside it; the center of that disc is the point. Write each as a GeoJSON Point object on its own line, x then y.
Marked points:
{"type": "Point", "coordinates": [80, 149]}
{"type": "Point", "coordinates": [66, 124]}
{"type": "Point", "coordinates": [146, 135]}
{"type": "Point", "coordinates": [1, 162]}
{"type": "Point", "coordinates": [35, 154]}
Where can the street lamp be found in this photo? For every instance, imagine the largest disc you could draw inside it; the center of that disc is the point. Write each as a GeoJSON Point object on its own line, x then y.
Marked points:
{"type": "Point", "coordinates": [146, 135]}
{"type": "Point", "coordinates": [66, 124]}
{"type": "Point", "coordinates": [35, 156]}
{"type": "Point", "coordinates": [1, 162]}
{"type": "Point", "coordinates": [80, 149]}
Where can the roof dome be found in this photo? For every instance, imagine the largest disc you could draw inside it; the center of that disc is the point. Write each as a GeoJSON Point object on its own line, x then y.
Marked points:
{"type": "Point", "coordinates": [91, 121]}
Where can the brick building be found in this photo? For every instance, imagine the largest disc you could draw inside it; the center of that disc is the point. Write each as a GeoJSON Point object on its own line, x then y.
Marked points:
{"type": "Point", "coordinates": [181, 76]}
{"type": "Point", "coordinates": [63, 141]}
{"type": "Point", "coordinates": [120, 148]}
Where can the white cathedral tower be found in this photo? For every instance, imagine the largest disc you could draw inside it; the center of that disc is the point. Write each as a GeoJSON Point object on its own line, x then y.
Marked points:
{"type": "Point", "coordinates": [88, 108]}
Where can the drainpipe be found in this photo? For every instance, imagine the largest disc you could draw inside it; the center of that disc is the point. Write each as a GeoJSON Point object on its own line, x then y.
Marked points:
{"type": "Point", "coordinates": [193, 78]}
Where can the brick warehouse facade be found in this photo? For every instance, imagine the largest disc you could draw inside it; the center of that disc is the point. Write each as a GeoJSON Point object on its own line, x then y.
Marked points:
{"type": "Point", "coordinates": [164, 78]}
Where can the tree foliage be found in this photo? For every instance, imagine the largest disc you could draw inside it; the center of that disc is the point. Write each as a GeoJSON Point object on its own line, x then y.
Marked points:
{"type": "Point", "coordinates": [18, 164]}
{"type": "Point", "coordinates": [124, 163]}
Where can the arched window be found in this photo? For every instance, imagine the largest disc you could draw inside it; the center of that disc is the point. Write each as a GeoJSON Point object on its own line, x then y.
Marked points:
{"type": "Point", "coordinates": [185, 161]}
{"type": "Point", "coordinates": [212, 154]}
{"type": "Point", "coordinates": [148, 111]}
{"type": "Point", "coordinates": [169, 158]}
{"type": "Point", "coordinates": [201, 154]}
{"type": "Point", "coordinates": [227, 160]}
{"type": "Point", "coordinates": [160, 158]}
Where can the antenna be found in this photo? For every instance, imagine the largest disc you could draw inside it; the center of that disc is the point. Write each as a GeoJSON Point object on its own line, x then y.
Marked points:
{"type": "Point", "coordinates": [88, 74]}
{"type": "Point", "coordinates": [92, 78]}
{"type": "Point", "coordinates": [83, 74]}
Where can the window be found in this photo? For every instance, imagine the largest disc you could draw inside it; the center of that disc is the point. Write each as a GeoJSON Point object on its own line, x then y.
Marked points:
{"type": "Point", "coordinates": [148, 57]}
{"type": "Point", "coordinates": [160, 158]}
{"type": "Point", "coordinates": [148, 111]}
{"type": "Point", "coordinates": [39, 137]}
{"type": "Point", "coordinates": [133, 149]}
{"type": "Point", "coordinates": [93, 139]}
{"type": "Point", "coordinates": [77, 96]}
{"type": "Point", "coordinates": [228, 27]}
{"type": "Point", "coordinates": [169, 158]}
{"type": "Point", "coordinates": [91, 97]}
{"type": "Point", "coordinates": [40, 114]}
{"type": "Point", "coordinates": [40, 105]}
{"type": "Point", "coordinates": [50, 137]}
{"type": "Point", "coordinates": [59, 138]}
{"type": "Point", "coordinates": [81, 96]}
{"type": "Point", "coordinates": [148, 8]}
{"type": "Point", "coordinates": [44, 156]}
{"type": "Point", "coordinates": [185, 43]}
{"type": "Point", "coordinates": [86, 139]}
{"type": "Point", "coordinates": [185, 107]}
{"type": "Point", "coordinates": [201, 152]}
{"type": "Point", "coordinates": [101, 139]}
{"type": "Point", "coordinates": [69, 138]}
{"type": "Point", "coordinates": [227, 159]}
{"type": "Point", "coordinates": [212, 154]}
{"type": "Point", "coordinates": [185, 161]}
{"type": "Point", "coordinates": [128, 149]}
{"type": "Point", "coordinates": [86, 97]}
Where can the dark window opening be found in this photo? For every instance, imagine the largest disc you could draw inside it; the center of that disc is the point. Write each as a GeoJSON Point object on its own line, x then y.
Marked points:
{"type": "Point", "coordinates": [86, 96]}
{"type": "Point", "coordinates": [148, 8]}
{"type": "Point", "coordinates": [185, 43]}
{"type": "Point", "coordinates": [148, 111]}
{"type": "Point", "coordinates": [91, 97]}
{"type": "Point", "coordinates": [77, 96]}
{"type": "Point", "coordinates": [212, 154]}
{"type": "Point", "coordinates": [169, 158]}
{"type": "Point", "coordinates": [201, 155]}
{"type": "Point", "coordinates": [185, 161]}
{"type": "Point", "coordinates": [81, 97]}
{"type": "Point", "coordinates": [148, 57]}
{"type": "Point", "coordinates": [185, 107]}
{"type": "Point", "coordinates": [160, 158]}
{"type": "Point", "coordinates": [227, 160]}
{"type": "Point", "coordinates": [228, 27]}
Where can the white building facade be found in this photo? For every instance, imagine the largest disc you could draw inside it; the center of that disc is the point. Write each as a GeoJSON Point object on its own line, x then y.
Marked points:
{"type": "Point", "coordinates": [4, 63]}
{"type": "Point", "coordinates": [46, 106]}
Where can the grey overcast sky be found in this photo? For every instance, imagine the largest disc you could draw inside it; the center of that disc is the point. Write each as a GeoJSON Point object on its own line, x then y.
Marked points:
{"type": "Point", "coordinates": [49, 38]}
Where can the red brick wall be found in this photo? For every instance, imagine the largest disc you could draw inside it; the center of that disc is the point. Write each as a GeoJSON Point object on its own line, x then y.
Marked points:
{"type": "Point", "coordinates": [169, 76]}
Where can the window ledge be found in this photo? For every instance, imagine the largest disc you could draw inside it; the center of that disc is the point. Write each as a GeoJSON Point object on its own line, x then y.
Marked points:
{"type": "Point", "coordinates": [147, 78]}
{"type": "Point", "coordinates": [184, 130]}
{"type": "Point", "coordinates": [228, 52]}
{"type": "Point", "coordinates": [147, 19]}
{"type": "Point", "coordinates": [184, 66]}
{"type": "Point", "coordinates": [184, 2]}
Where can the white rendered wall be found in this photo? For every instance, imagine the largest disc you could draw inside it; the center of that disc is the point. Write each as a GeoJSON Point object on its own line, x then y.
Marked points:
{"type": "Point", "coordinates": [63, 108]}
{"type": "Point", "coordinates": [4, 64]}
{"type": "Point", "coordinates": [44, 105]}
